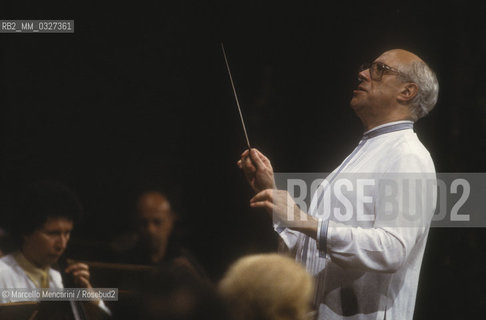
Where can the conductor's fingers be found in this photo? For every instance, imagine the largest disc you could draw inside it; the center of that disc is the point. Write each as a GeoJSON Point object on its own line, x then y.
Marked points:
{"type": "Point", "coordinates": [264, 159]}
{"type": "Point", "coordinates": [247, 165]}
{"type": "Point", "coordinates": [263, 204]}
{"type": "Point", "coordinates": [244, 164]}
{"type": "Point", "coordinates": [262, 196]}
{"type": "Point", "coordinates": [256, 159]}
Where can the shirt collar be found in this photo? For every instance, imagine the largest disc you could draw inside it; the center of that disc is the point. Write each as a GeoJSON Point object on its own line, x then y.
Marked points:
{"type": "Point", "coordinates": [39, 276]}
{"type": "Point", "coordinates": [387, 125]}
{"type": "Point", "coordinates": [387, 128]}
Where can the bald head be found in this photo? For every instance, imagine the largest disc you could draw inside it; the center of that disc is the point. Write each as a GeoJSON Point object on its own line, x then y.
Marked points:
{"type": "Point", "coordinates": [156, 221]}
{"type": "Point", "coordinates": [153, 201]}
{"type": "Point", "coordinates": [398, 86]}
{"type": "Point", "coordinates": [401, 56]}
{"type": "Point", "coordinates": [413, 69]}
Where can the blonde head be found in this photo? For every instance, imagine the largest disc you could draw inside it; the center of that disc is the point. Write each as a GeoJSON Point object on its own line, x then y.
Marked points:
{"type": "Point", "coordinates": [267, 287]}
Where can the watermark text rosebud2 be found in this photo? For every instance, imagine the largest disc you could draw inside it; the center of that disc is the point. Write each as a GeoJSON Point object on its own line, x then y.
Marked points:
{"type": "Point", "coordinates": [389, 199]}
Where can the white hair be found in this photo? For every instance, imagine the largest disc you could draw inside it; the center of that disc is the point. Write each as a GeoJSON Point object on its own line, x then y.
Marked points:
{"type": "Point", "coordinates": [420, 73]}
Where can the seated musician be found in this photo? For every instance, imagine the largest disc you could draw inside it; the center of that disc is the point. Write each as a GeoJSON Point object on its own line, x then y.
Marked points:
{"type": "Point", "coordinates": [155, 243]}
{"type": "Point", "coordinates": [44, 217]}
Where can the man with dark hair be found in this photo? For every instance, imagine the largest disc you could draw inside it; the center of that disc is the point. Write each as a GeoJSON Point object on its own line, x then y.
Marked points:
{"type": "Point", "coordinates": [43, 220]}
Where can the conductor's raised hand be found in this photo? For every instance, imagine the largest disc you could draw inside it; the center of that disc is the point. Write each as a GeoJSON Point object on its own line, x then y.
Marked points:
{"type": "Point", "coordinates": [284, 209]}
{"type": "Point", "coordinates": [280, 204]}
{"type": "Point", "coordinates": [257, 169]}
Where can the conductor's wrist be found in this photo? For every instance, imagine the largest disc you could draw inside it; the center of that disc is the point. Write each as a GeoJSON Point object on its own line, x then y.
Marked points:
{"type": "Point", "coordinates": [308, 225]}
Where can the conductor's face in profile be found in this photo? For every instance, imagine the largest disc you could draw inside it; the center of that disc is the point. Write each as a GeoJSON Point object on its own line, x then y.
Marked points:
{"type": "Point", "coordinates": [47, 243]}
{"type": "Point", "coordinates": [384, 92]}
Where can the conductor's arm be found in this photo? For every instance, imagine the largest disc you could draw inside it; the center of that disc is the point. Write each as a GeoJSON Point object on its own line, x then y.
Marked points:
{"type": "Point", "coordinates": [259, 174]}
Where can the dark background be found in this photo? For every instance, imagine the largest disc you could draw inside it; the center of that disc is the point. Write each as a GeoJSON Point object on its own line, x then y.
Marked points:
{"type": "Point", "coordinates": [138, 97]}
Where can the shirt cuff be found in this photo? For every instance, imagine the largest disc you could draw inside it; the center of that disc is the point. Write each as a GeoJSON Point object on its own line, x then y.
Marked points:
{"type": "Point", "coordinates": [322, 227]}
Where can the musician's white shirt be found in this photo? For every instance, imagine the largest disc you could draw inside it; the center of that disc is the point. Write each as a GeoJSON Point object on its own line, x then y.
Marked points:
{"type": "Point", "coordinates": [12, 276]}
{"type": "Point", "coordinates": [370, 268]}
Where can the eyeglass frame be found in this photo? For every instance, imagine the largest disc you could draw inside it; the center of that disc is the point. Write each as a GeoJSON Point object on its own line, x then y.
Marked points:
{"type": "Point", "coordinates": [383, 68]}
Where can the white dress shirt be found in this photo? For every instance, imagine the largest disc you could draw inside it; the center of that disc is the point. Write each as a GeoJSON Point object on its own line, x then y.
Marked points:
{"type": "Point", "coordinates": [369, 268]}
{"type": "Point", "coordinates": [12, 276]}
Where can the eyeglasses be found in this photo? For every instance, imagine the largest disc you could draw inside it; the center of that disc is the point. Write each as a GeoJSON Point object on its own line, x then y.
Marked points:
{"type": "Point", "coordinates": [377, 69]}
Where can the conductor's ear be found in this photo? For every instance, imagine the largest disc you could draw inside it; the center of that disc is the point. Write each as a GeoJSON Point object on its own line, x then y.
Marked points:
{"type": "Point", "coordinates": [408, 92]}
